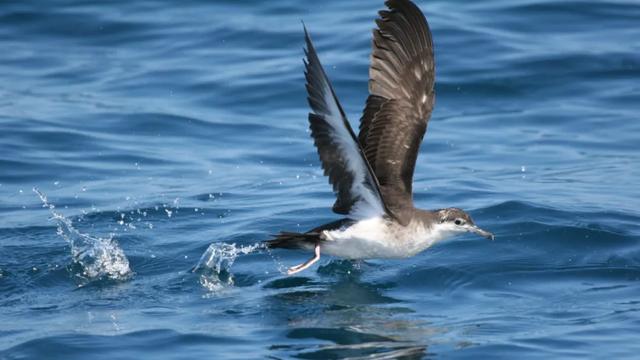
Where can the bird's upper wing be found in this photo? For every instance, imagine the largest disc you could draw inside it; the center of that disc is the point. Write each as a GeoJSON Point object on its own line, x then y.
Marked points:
{"type": "Point", "coordinates": [343, 161]}
{"type": "Point", "coordinates": [401, 98]}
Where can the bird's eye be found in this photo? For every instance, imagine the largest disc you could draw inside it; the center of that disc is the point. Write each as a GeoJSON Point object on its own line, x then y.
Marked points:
{"type": "Point", "coordinates": [458, 222]}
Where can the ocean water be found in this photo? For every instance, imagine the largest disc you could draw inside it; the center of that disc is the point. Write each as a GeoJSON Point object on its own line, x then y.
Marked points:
{"type": "Point", "coordinates": [165, 140]}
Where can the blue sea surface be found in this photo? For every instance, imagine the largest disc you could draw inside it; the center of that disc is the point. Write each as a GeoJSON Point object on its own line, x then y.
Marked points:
{"type": "Point", "coordinates": [167, 139]}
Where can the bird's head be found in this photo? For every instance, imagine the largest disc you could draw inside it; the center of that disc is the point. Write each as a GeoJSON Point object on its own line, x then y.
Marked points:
{"type": "Point", "coordinates": [458, 221]}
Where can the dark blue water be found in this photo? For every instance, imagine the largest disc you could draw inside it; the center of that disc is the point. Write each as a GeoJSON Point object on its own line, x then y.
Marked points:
{"type": "Point", "coordinates": [156, 130]}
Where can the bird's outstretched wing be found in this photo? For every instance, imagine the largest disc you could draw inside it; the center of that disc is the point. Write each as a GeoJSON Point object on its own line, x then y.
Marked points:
{"type": "Point", "coordinates": [401, 98]}
{"type": "Point", "coordinates": [343, 161]}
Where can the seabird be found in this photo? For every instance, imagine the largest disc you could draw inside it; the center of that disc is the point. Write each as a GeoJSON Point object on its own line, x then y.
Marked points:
{"type": "Point", "coordinates": [372, 173]}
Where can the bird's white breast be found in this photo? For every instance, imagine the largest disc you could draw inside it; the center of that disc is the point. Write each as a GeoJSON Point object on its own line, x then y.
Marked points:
{"type": "Point", "coordinates": [379, 238]}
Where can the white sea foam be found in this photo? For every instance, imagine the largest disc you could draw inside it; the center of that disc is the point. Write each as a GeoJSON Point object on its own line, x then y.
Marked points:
{"type": "Point", "coordinates": [99, 258]}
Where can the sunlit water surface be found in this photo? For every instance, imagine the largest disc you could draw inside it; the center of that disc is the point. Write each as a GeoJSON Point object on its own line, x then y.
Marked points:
{"type": "Point", "coordinates": [166, 140]}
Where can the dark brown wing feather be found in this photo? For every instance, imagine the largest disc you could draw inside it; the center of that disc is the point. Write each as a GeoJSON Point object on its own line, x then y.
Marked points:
{"type": "Point", "coordinates": [401, 99]}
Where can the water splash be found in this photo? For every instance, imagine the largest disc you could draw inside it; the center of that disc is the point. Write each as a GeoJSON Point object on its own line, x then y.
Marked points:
{"type": "Point", "coordinates": [98, 258]}
{"type": "Point", "coordinates": [215, 264]}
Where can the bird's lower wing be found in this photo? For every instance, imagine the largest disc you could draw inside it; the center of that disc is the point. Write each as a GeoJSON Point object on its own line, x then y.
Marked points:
{"type": "Point", "coordinates": [343, 161]}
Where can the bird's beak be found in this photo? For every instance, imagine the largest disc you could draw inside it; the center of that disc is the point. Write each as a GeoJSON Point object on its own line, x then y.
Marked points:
{"type": "Point", "coordinates": [483, 233]}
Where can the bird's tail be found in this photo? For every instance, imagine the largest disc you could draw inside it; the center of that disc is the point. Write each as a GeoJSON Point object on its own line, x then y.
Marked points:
{"type": "Point", "coordinates": [293, 240]}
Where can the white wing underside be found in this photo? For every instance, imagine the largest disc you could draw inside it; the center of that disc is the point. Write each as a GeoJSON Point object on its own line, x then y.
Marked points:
{"type": "Point", "coordinates": [342, 158]}
{"type": "Point", "coordinates": [368, 204]}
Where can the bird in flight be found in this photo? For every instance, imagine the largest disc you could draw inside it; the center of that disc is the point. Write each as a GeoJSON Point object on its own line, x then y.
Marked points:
{"type": "Point", "coordinates": [372, 173]}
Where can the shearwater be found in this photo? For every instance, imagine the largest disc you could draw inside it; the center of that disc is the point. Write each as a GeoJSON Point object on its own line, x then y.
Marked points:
{"type": "Point", "coordinates": [372, 173]}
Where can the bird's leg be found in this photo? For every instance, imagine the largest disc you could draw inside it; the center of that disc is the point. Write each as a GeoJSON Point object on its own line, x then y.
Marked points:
{"type": "Point", "coordinates": [295, 269]}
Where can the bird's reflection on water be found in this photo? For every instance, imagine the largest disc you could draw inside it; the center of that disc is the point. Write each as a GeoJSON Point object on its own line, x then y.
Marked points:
{"type": "Point", "coordinates": [341, 315]}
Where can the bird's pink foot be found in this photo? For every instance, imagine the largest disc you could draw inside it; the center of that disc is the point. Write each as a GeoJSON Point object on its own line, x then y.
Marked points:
{"type": "Point", "coordinates": [296, 269]}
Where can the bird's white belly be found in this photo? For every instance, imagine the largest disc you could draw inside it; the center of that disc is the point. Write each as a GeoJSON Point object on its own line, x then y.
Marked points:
{"type": "Point", "coordinates": [377, 238]}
